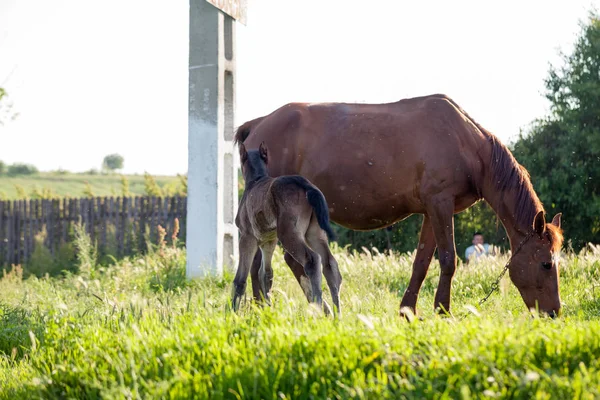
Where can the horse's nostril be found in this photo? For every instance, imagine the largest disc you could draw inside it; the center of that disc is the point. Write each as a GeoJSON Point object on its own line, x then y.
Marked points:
{"type": "Point", "coordinates": [552, 314]}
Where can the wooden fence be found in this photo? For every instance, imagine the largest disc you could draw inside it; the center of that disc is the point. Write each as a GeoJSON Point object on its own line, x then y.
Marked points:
{"type": "Point", "coordinates": [116, 224]}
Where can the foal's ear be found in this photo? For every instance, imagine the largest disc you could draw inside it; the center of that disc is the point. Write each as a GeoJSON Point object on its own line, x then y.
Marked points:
{"type": "Point", "coordinates": [263, 152]}
{"type": "Point", "coordinates": [539, 223]}
{"type": "Point", "coordinates": [243, 153]}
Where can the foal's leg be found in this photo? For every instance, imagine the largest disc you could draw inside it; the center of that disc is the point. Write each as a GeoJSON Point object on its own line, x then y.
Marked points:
{"type": "Point", "coordinates": [299, 273]}
{"type": "Point", "coordinates": [294, 244]}
{"type": "Point", "coordinates": [304, 280]}
{"type": "Point", "coordinates": [317, 240]}
{"type": "Point", "coordinates": [256, 263]}
{"type": "Point", "coordinates": [247, 247]}
{"type": "Point", "coordinates": [441, 214]}
{"type": "Point", "coordinates": [265, 272]}
{"type": "Point", "coordinates": [425, 251]}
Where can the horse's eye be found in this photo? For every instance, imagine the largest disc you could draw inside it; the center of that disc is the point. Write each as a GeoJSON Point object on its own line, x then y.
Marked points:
{"type": "Point", "coordinates": [547, 265]}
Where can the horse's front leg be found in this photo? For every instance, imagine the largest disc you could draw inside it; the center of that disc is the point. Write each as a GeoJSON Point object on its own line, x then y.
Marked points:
{"type": "Point", "coordinates": [441, 213]}
{"type": "Point", "coordinates": [425, 251]}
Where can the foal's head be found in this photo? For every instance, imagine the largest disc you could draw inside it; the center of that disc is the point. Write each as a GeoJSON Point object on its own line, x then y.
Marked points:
{"type": "Point", "coordinates": [254, 162]}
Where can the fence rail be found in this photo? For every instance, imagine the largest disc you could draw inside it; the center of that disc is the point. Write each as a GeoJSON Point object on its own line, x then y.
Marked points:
{"type": "Point", "coordinates": [118, 223]}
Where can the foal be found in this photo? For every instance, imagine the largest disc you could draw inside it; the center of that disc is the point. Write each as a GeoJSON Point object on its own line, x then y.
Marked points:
{"type": "Point", "coordinates": [293, 210]}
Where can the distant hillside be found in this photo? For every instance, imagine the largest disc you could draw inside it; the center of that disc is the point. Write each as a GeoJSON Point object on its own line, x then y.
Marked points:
{"type": "Point", "coordinates": [76, 185]}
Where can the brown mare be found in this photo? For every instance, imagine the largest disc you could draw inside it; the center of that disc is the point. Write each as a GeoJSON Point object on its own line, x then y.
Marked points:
{"type": "Point", "coordinates": [293, 210]}
{"type": "Point", "coordinates": [379, 163]}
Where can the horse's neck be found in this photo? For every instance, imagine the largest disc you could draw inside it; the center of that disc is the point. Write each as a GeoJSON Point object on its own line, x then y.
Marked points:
{"type": "Point", "coordinates": [505, 204]}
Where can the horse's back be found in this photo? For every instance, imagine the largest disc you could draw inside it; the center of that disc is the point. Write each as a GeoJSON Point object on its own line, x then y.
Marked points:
{"type": "Point", "coordinates": [410, 131]}
{"type": "Point", "coordinates": [420, 122]}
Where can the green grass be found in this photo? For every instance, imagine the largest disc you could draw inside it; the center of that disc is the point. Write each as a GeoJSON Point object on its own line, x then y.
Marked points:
{"type": "Point", "coordinates": [140, 330]}
{"type": "Point", "coordinates": [74, 185]}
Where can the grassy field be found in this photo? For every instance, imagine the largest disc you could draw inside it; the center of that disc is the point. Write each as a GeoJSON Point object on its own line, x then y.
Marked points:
{"type": "Point", "coordinates": [74, 185]}
{"type": "Point", "coordinates": [138, 329]}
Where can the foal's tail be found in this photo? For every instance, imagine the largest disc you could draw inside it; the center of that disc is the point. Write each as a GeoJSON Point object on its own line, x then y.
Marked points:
{"type": "Point", "coordinates": [319, 205]}
{"type": "Point", "coordinates": [316, 200]}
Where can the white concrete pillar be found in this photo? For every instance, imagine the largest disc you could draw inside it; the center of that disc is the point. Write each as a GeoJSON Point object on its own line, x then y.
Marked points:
{"type": "Point", "coordinates": [212, 237]}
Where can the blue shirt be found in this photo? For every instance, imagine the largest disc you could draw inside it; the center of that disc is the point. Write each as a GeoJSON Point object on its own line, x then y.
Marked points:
{"type": "Point", "coordinates": [472, 251]}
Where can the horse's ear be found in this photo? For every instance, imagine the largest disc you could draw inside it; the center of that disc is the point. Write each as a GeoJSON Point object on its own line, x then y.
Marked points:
{"type": "Point", "coordinates": [263, 152]}
{"type": "Point", "coordinates": [556, 220]}
{"type": "Point", "coordinates": [539, 223]}
{"type": "Point", "coordinates": [243, 153]}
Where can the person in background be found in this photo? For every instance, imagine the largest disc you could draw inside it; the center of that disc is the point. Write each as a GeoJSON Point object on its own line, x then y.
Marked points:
{"type": "Point", "coordinates": [478, 248]}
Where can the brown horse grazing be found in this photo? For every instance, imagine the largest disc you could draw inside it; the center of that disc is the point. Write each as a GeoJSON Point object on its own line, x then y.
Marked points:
{"type": "Point", "coordinates": [289, 208]}
{"type": "Point", "coordinates": [379, 163]}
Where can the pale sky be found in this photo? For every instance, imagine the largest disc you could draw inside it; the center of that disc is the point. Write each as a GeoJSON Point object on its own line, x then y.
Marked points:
{"type": "Point", "coordinates": [93, 78]}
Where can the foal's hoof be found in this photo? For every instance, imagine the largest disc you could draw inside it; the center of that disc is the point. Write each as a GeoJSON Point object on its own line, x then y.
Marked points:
{"type": "Point", "coordinates": [327, 308]}
{"type": "Point", "coordinates": [261, 303]}
{"type": "Point", "coordinates": [263, 300]}
{"type": "Point", "coordinates": [234, 304]}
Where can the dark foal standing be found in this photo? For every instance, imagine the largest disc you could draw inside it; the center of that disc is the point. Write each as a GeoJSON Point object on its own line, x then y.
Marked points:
{"type": "Point", "coordinates": [293, 210]}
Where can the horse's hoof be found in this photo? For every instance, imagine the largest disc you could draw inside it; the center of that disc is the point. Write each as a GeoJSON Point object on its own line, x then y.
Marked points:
{"type": "Point", "coordinates": [408, 313]}
{"type": "Point", "coordinates": [443, 313]}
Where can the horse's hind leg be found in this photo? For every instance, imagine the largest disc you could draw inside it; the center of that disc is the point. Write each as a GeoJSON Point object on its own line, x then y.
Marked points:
{"type": "Point", "coordinates": [317, 240]}
{"type": "Point", "coordinates": [265, 273]}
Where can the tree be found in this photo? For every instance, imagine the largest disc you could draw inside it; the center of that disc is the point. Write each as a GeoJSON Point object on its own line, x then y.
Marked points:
{"type": "Point", "coordinates": [113, 162]}
{"type": "Point", "coordinates": [562, 150]}
{"type": "Point", "coordinates": [21, 169]}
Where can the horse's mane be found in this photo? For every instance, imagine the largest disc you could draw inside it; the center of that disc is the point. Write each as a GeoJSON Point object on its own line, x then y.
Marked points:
{"type": "Point", "coordinates": [555, 236]}
{"type": "Point", "coordinates": [507, 173]}
{"type": "Point", "coordinates": [244, 130]}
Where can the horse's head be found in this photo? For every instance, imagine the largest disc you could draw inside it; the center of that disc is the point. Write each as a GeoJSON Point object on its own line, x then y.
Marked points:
{"type": "Point", "coordinates": [534, 266]}
{"type": "Point", "coordinates": [254, 162]}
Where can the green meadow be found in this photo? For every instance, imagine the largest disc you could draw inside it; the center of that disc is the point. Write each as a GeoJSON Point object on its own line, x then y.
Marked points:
{"type": "Point", "coordinates": [78, 185]}
{"type": "Point", "coordinates": [138, 329]}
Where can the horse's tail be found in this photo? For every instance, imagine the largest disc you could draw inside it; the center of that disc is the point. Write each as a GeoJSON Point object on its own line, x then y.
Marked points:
{"type": "Point", "coordinates": [317, 201]}
{"type": "Point", "coordinates": [244, 130]}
